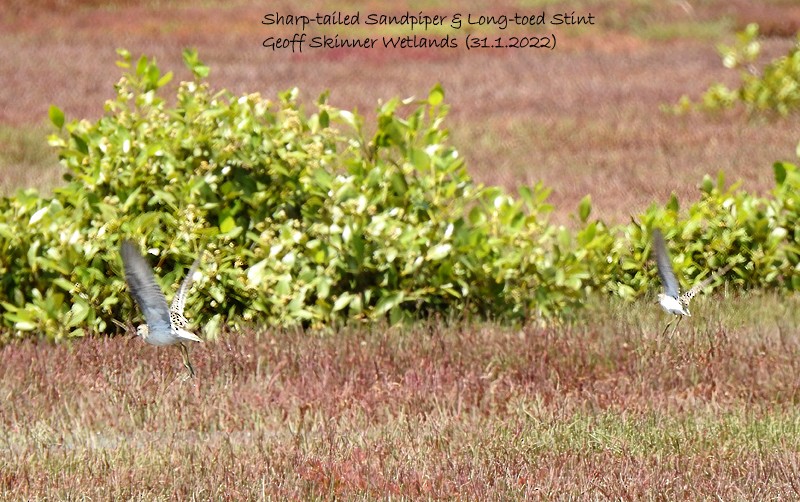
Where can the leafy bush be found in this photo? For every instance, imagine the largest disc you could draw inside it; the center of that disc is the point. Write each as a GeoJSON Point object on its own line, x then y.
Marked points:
{"type": "Point", "coordinates": [300, 222]}
{"type": "Point", "coordinates": [304, 219]}
{"type": "Point", "coordinates": [725, 225]}
{"type": "Point", "coordinates": [775, 89]}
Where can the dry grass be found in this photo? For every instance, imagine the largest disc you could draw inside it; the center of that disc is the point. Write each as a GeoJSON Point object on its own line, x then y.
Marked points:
{"type": "Point", "coordinates": [602, 408]}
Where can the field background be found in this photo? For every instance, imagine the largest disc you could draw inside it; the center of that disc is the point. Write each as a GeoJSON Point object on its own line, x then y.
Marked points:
{"type": "Point", "coordinates": [604, 408]}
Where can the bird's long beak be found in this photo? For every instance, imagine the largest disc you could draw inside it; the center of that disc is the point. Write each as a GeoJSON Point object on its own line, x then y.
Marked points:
{"type": "Point", "coordinates": [127, 328]}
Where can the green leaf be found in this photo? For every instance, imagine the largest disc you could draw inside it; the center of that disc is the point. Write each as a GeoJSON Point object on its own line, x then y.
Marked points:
{"type": "Point", "coordinates": [284, 286]}
{"type": "Point", "coordinates": [438, 252]}
{"type": "Point", "coordinates": [436, 95]}
{"type": "Point", "coordinates": [25, 325]}
{"type": "Point", "coordinates": [37, 216]}
{"type": "Point", "coordinates": [324, 119]}
{"type": "Point", "coordinates": [56, 116]}
{"type": "Point", "coordinates": [625, 291]}
{"type": "Point", "coordinates": [780, 173]}
{"type": "Point", "coordinates": [388, 302]}
{"type": "Point", "coordinates": [356, 305]}
{"type": "Point", "coordinates": [80, 144]}
{"type": "Point", "coordinates": [342, 302]}
{"type": "Point", "coordinates": [631, 265]}
{"type": "Point", "coordinates": [227, 225]}
{"type": "Point", "coordinates": [192, 61]}
{"type": "Point", "coordinates": [707, 186]}
{"type": "Point", "coordinates": [165, 79]}
{"type": "Point", "coordinates": [201, 71]}
{"type": "Point", "coordinates": [399, 184]}
{"type": "Point", "coordinates": [564, 239]}
{"type": "Point", "coordinates": [672, 205]}
{"type": "Point", "coordinates": [126, 58]}
{"type": "Point", "coordinates": [419, 159]}
{"type": "Point", "coordinates": [573, 283]}
{"type": "Point", "coordinates": [396, 316]}
{"type": "Point", "coordinates": [63, 284]}
{"type": "Point", "coordinates": [323, 287]}
{"type": "Point", "coordinates": [526, 194]}
{"type": "Point", "coordinates": [77, 314]}
{"type": "Point", "coordinates": [141, 65]}
{"type": "Point", "coordinates": [585, 208]}
{"type": "Point", "coordinates": [255, 274]}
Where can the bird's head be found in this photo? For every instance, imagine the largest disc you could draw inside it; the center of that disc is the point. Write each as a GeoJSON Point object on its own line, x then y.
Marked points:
{"type": "Point", "coordinates": [142, 331]}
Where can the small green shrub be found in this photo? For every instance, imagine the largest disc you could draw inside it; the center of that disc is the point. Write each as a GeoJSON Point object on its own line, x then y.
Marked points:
{"type": "Point", "coordinates": [725, 225]}
{"type": "Point", "coordinates": [775, 89]}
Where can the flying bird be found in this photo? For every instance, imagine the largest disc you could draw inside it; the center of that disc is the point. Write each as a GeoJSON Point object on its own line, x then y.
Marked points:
{"type": "Point", "coordinates": [163, 326]}
{"type": "Point", "coordinates": [671, 300]}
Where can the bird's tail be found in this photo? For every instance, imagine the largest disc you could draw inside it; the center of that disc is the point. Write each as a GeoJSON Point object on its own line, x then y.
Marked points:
{"type": "Point", "coordinates": [188, 335]}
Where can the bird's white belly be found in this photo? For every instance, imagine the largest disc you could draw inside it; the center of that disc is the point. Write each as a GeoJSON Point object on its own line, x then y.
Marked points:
{"type": "Point", "coordinates": [672, 305]}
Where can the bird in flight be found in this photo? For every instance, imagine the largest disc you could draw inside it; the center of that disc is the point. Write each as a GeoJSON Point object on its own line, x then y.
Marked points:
{"type": "Point", "coordinates": [671, 300]}
{"type": "Point", "coordinates": [163, 326]}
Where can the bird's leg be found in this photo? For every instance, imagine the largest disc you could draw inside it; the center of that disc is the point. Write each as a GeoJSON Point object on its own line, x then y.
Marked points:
{"type": "Point", "coordinates": [680, 318]}
{"type": "Point", "coordinates": [186, 362]}
{"type": "Point", "coordinates": [666, 328]}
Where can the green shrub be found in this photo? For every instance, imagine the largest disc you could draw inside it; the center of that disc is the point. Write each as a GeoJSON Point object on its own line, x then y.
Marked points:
{"type": "Point", "coordinates": [304, 219]}
{"type": "Point", "coordinates": [300, 222]}
{"type": "Point", "coordinates": [775, 89]}
{"type": "Point", "coordinates": [725, 225]}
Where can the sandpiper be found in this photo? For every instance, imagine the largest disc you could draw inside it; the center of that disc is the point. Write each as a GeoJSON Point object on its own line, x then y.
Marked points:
{"type": "Point", "coordinates": [164, 326]}
{"type": "Point", "coordinates": [671, 300]}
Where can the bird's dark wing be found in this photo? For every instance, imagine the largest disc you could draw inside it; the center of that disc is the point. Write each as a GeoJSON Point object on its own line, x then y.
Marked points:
{"type": "Point", "coordinates": [143, 288]}
{"type": "Point", "coordinates": [668, 280]}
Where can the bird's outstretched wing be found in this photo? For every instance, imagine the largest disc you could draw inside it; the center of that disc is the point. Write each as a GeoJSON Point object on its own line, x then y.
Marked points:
{"type": "Point", "coordinates": [668, 280]}
{"type": "Point", "coordinates": [687, 296]}
{"type": "Point", "coordinates": [143, 288]}
{"type": "Point", "coordinates": [179, 301]}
